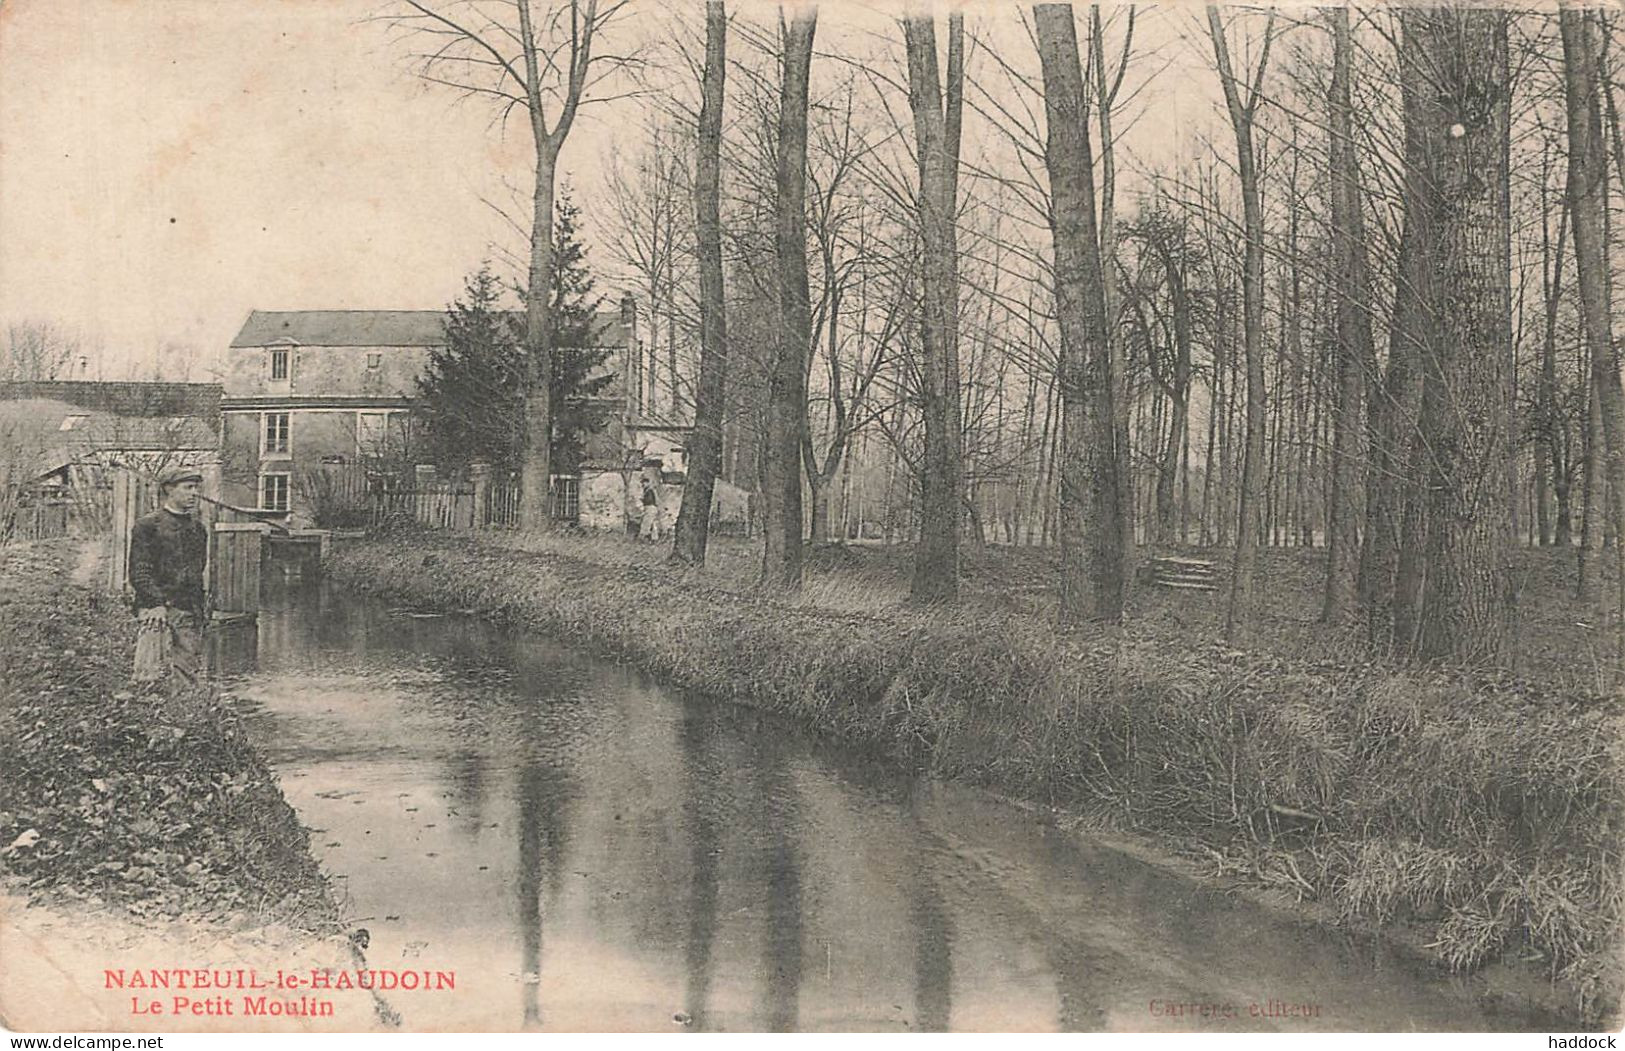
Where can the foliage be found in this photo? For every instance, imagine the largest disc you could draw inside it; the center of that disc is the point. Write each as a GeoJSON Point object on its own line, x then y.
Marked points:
{"type": "Point", "coordinates": [578, 373]}
{"type": "Point", "coordinates": [337, 495]}
{"type": "Point", "coordinates": [471, 395]}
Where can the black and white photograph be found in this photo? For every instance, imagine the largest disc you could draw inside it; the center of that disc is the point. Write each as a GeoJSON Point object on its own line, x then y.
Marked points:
{"type": "Point", "coordinates": [718, 516]}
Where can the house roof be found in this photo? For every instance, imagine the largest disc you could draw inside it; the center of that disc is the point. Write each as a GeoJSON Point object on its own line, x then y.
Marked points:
{"type": "Point", "coordinates": [49, 433]}
{"type": "Point", "coordinates": [374, 328]}
{"type": "Point", "coordinates": [122, 399]}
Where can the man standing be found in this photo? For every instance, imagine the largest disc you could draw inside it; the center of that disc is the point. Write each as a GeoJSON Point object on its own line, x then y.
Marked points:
{"type": "Point", "coordinates": [167, 552]}
{"type": "Point", "coordinates": [650, 524]}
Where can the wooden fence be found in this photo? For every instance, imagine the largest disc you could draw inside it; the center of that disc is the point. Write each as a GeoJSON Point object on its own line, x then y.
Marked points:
{"type": "Point", "coordinates": [468, 505]}
{"type": "Point", "coordinates": [441, 505]}
{"type": "Point", "coordinates": [133, 495]}
{"type": "Point", "coordinates": [41, 518]}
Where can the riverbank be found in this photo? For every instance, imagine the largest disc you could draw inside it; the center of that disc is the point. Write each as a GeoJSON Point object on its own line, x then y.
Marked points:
{"type": "Point", "coordinates": [153, 809]}
{"type": "Point", "coordinates": [1482, 817]}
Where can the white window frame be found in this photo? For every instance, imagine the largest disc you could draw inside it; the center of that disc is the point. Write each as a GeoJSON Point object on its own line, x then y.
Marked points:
{"type": "Point", "coordinates": [266, 451]}
{"type": "Point", "coordinates": [287, 364]}
{"type": "Point", "coordinates": [287, 491]}
{"type": "Point", "coordinates": [382, 417]}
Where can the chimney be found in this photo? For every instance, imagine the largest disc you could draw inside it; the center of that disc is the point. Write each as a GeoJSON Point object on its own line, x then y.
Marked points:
{"type": "Point", "coordinates": [629, 313]}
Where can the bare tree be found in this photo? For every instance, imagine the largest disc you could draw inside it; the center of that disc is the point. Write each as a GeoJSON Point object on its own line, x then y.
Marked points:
{"type": "Point", "coordinates": [1352, 289]}
{"type": "Point", "coordinates": [1466, 392]}
{"type": "Point", "coordinates": [652, 238]}
{"type": "Point", "coordinates": [1243, 111]}
{"type": "Point", "coordinates": [938, 106]}
{"type": "Point", "coordinates": [705, 448]}
{"type": "Point", "coordinates": [787, 384]}
{"type": "Point", "coordinates": [1092, 536]}
{"type": "Point", "coordinates": [545, 67]}
{"type": "Point", "coordinates": [1392, 567]}
{"type": "Point", "coordinates": [1588, 206]}
{"type": "Point", "coordinates": [38, 350]}
{"type": "Point", "coordinates": [1108, 87]}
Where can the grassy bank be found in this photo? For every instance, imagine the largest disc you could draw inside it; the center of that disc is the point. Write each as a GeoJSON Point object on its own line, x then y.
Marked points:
{"type": "Point", "coordinates": [157, 805]}
{"type": "Point", "coordinates": [1480, 810]}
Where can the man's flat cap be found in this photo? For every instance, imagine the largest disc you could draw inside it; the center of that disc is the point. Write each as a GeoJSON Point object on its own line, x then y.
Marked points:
{"type": "Point", "coordinates": [176, 475]}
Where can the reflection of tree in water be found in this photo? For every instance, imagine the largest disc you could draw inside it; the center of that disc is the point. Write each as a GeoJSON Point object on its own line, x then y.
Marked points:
{"type": "Point", "coordinates": [703, 781]}
{"type": "Point", "coordinates": [780, 819]}
{"type": "Point", "coordinates": [929, 919]}
{"type": "Point", "coordinates": [933, 946]}
{"type": "Point", "coordinates": [545, 790]}
{"type": "Point", "coordinates": [1086, 973]}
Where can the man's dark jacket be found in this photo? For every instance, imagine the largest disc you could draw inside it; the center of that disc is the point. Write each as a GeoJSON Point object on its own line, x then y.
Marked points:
{"type": "Point", "coordinates": [167, 551]}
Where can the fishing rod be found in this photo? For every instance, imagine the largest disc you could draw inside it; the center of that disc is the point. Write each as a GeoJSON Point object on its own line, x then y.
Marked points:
{"type": "Point", "coordinates": [250, 512]}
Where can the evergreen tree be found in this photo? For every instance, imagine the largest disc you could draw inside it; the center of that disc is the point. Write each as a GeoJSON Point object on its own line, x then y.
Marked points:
{"type": "Point", "coordinates": [470, 396]}
{"type": "Point", "coordinates": [578, 373]}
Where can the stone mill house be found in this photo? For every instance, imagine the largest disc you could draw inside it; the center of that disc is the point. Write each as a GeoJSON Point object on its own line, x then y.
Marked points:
{"type": "Point", "coordinates": [312, 390]}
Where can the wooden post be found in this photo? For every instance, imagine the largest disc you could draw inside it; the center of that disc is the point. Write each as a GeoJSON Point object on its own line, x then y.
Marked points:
{"type": "Point", "coordinates": [132, 497]}
{"type": "Point", "coordinates": [236, 577]}
{"type": "Point", "coordinates": [480, 475]}
{"type": "Point", "coordinates": [423, 477]}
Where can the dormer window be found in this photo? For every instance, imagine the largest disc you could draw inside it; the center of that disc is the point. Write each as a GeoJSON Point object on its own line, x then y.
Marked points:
{"type": "Point", "coordinates": [279, 363]}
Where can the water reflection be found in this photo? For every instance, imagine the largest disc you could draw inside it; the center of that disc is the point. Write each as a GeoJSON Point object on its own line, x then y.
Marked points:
{"type": "Point", "coordinates": [590, 852]}
{"type": "Point", "coordinates": [933, 951]}
{"type": "Point", "coordinates": [781, 877]}
{"type": "Point", "coordinates": [701, 777]}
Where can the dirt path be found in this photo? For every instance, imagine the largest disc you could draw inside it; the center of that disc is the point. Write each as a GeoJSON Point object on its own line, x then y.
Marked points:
{"type": "Point", "coordinates": [91, 554]}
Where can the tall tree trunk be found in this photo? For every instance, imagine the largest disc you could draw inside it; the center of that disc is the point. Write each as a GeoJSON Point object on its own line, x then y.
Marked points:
{"type": "Point", "coordinates": [1353, 342]}
{"type": "Point", "coordinates": [1392, 568]}
{"type": "Point", "coordinates": [536, 469]}
{"type": "Point", "coordinates": [937, 107]}
{"type": "Point", "coordinates": [1591, 530]}
{"type": "Point", "coordinates": [820, 509]}
{"type": "Point", "coordinates": [1395, 560]}
{"type": "Point", "coordinates": [1588, 203]}
{"type": "Point", "coordinates": [1550, 465]}
{"type": "Point", "coordinates": [1093, 574]}
{"type": "Point", "coordinates": [787, 388]}
{"type": "Point", "coordinates": [705, 447]}
{"type": "Point", "coordinates": [1208, 462]}
{"type": "Point", "coordinates": [1240, 611]}
{"type": "Point", "coordinates": [1392, 484]}
{"type": "Point", "coordinates": [535, 473]}
{"type": "Point", "coordinates": [1179, 397]}
{"type": "Point", "coordinates": [1466, 382]}
{"type": "Point", "coordinates": [1106, 89]}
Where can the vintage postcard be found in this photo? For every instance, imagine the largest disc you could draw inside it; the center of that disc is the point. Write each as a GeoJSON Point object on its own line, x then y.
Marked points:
{"type": "Point", "coordinates": [623, 516]}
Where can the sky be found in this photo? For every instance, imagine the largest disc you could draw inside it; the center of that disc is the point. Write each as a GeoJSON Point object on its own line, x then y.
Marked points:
{"type": "Point", "coordinates": [166, 166]}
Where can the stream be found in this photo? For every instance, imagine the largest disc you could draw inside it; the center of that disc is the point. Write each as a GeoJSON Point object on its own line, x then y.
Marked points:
{"type": "Point", "coordinates": [585, 850]}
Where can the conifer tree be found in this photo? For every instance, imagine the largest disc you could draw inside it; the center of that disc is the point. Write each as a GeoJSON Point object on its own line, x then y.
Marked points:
{"type": "Point", "coordinates": [578, 360]}
{"type": "Point", "coordinates": [471, 394]}
{"type": "Point", "coordinates": [470, 397]}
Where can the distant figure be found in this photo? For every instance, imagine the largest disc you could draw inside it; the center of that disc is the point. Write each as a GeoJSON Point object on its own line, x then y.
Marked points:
{"type": "Point", "coordinates": [649, 525]}
{"type": "Point", "coordinates": [167, 552]}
